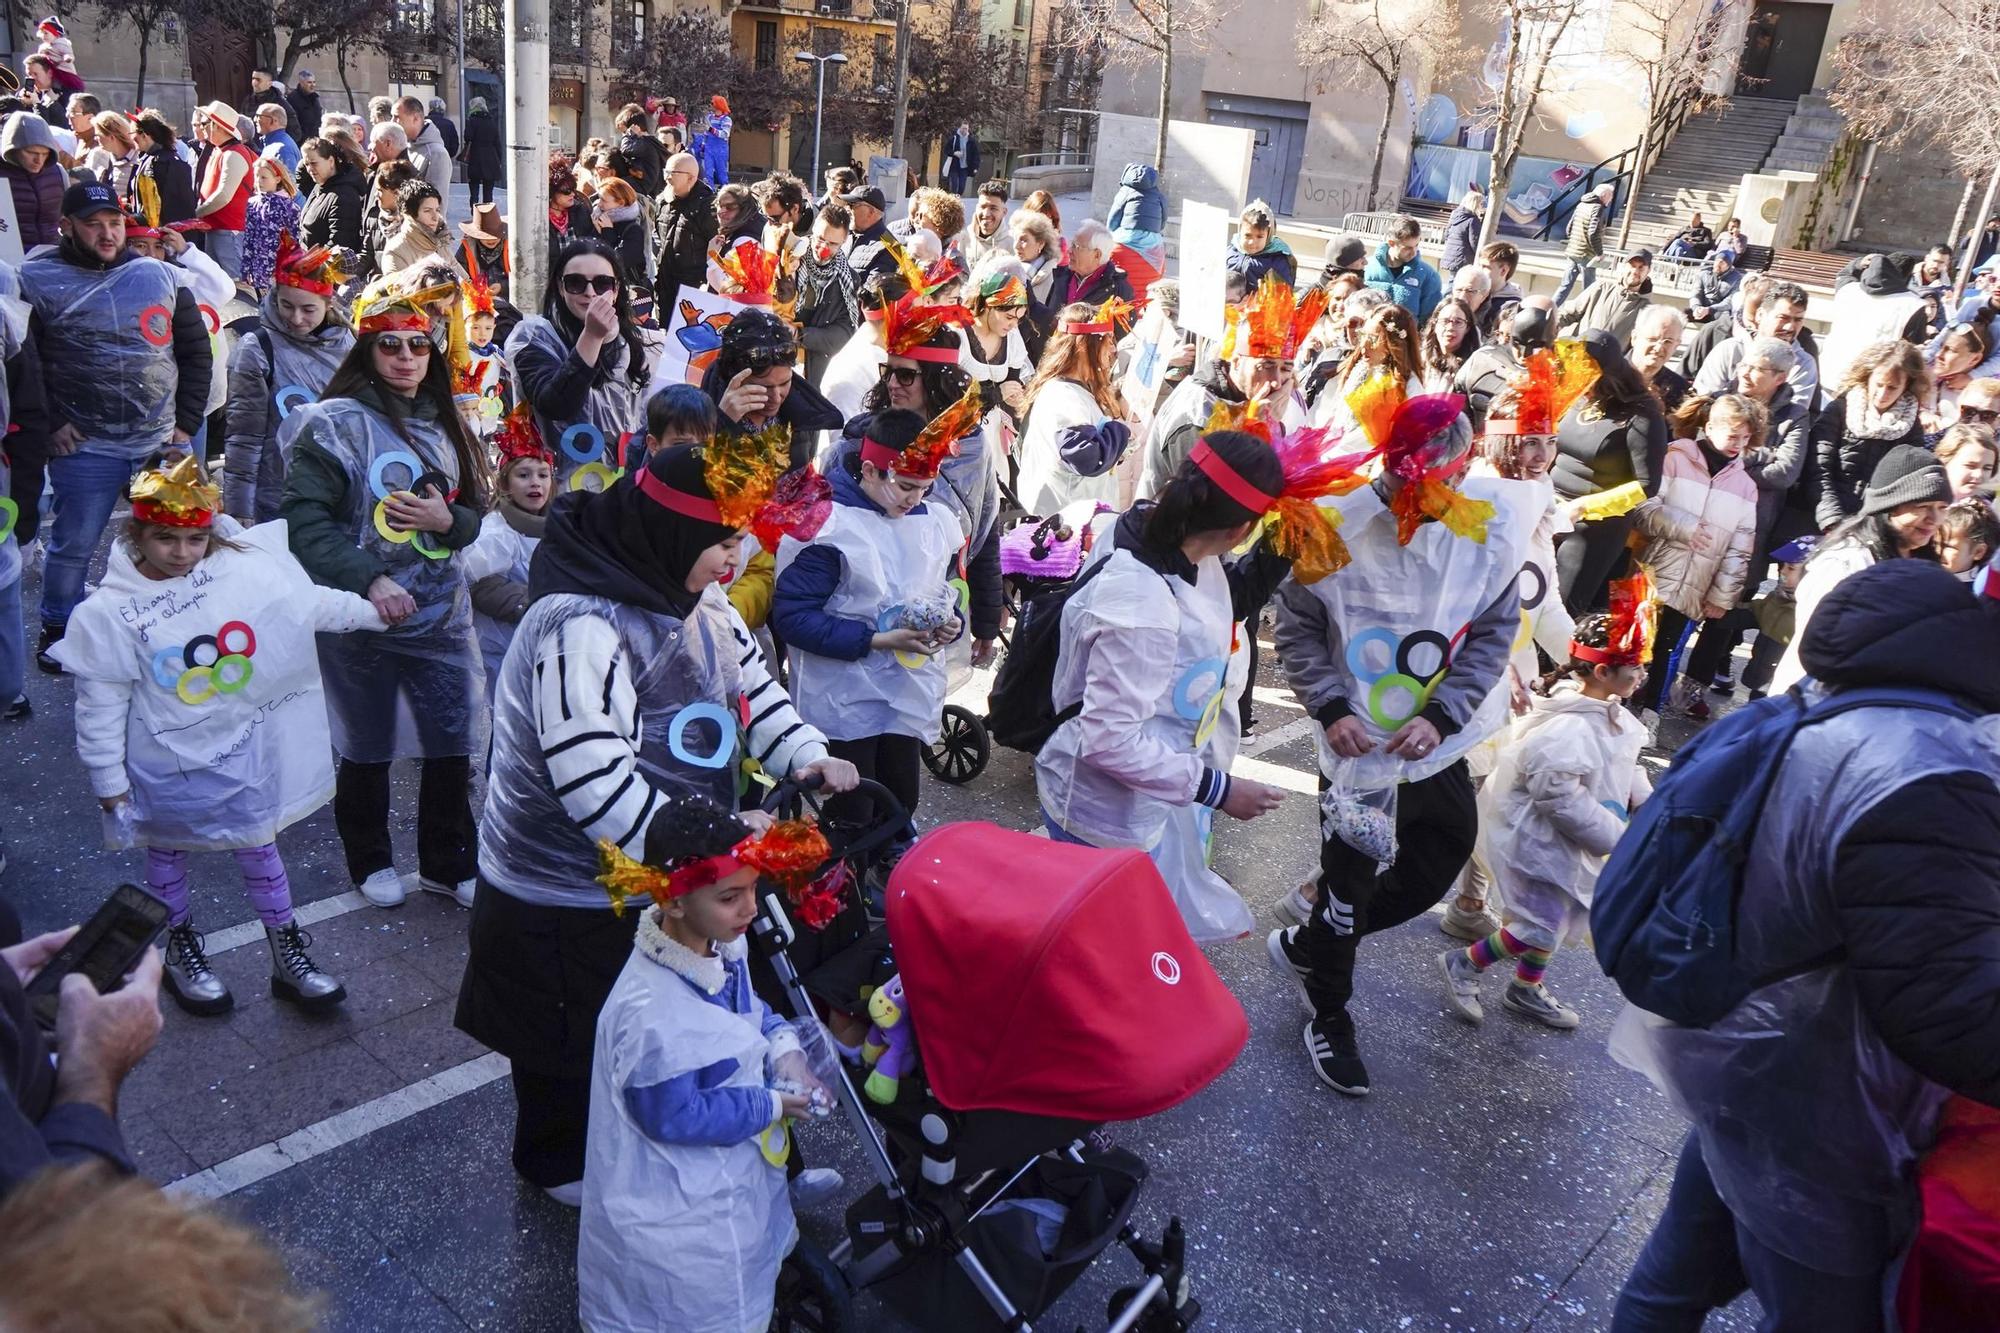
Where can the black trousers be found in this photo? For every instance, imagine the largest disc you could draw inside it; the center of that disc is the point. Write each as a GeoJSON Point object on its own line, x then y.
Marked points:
{"type": "Point", "coordinates": [1666, 637]}
{"type": "Point", "coordinates": [1713, 643]}
{"type": "Point", "coordinates": [445, 834]}
{"type": "Point", "coordinates": [481, 188]}
{"type": "Point", "coordinates": [893, 761]}
{"type": "Point", "coordinates": [1436, 823]}
{"type": "Point", "coordinates": [1588, 559]}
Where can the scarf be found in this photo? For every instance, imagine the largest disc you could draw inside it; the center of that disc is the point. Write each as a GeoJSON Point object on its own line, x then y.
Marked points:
{"type": "Point", "coordinates": [622, 544]}
{"type": "Point", "coordinates": [833, 280]}
{"type": "Point", "coordinates": [621, 213]}
{"type": "Point", "coordinates": [1865, 423]}
{"type": "Point", "coordinates": [531, 526]}
{"type": "Point", "coordinates": [559, 219]}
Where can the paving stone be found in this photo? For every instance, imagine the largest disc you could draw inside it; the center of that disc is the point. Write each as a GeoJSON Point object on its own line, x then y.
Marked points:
{"type": "Point", "coordinates": [271, 1099]}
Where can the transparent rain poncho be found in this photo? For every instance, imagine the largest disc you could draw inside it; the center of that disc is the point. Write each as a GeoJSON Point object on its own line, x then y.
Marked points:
{"type": "Point", "coordinates": [590, 446]}
{"type": "Point", "coordinates": [272, 375]}
{"type": "Point", "coordinates": [107, 349]}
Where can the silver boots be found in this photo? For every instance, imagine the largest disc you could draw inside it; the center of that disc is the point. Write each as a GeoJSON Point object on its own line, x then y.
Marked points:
{"type": "Point", "coordinates": [294, 976]}
{"type": "Point", "coordinates": [190, 980]}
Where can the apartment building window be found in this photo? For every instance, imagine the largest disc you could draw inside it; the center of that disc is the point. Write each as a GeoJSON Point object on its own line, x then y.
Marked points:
{"type": "Point", "coordinates": [1023, 9]}
{"type": "Point", "coordinates": [885, 61]}
{"type": "Point", "coordinates": [767, 44]}
{"type": "Point", "coordinates": [825, 41]}
{"type": "Point", "coordinates": [412, 18]}
{"type": "Point", "coordinates": [633, 30]}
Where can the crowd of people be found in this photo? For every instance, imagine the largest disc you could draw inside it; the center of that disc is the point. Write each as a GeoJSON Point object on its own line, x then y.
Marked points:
{"type": "Point", "coordinates": [403, 510]}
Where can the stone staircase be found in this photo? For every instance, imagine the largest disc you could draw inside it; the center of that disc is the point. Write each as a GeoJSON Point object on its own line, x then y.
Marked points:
{"type": "Point", "coordinates": [1814, 128]}
{"type": "Point", "coordinates": [1698, 172]}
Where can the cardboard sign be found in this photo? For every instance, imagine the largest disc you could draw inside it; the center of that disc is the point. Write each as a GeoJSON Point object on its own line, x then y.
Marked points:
{"type": "Point", "coordinates": [694, 336]}
{"type": "Point", "coordinates": [1204, 252]}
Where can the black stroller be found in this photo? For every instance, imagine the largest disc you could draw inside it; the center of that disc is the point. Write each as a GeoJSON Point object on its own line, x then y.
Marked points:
{"type": "Point", "coordinates": [995, 1189]}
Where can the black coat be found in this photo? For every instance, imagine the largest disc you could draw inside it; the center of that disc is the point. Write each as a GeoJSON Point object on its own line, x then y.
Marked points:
{"type": "Point", "coordinates": [647, 162]}
{"type": "Point", "coordinates": [1461, 239]}
{"type": "Point", "coordinates": [483, 159]}
{"type": "Point", "coordinates": [446, 131]}
{"type": "Point", "coordinates": [685, 225]}
{"type": "Point", "coordinates": [306, 114]}
{"type": "Point", "coordinates": [1841, 462]}
{"type": "Point", "coordinates": [332, 215]}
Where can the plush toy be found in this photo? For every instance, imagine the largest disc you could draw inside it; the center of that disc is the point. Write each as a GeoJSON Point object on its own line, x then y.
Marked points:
{"type": "Point", "coordinates": [891, 1043]}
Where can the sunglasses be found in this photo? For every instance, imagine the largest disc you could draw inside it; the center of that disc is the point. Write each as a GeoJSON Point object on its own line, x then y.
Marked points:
{"type": "Point", "coordinates": [576, 284]}
{"type": "Point", "coordinates": [763, 358]}
{"type": "Point", "coordinates": [416, 344]}
{"type": "Point", "coordinates": [903, 375]}
{"type": "Point", "coordinates": [1979, 416]}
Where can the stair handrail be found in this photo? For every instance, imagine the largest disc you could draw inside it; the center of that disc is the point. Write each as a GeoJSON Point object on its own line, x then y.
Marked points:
{"type": "Point", "coordinates": [1666, 123]}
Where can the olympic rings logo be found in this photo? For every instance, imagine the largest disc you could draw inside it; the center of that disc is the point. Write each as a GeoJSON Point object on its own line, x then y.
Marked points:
{"type": "Point", "coordinates": [1198, 696]}
{"type": "Point", "coordinates": [423, 543]}
{"type": "Point", "coordinates": [208, 664]}
{"type": "Point", "coordinates": [725, 726]}
{"type": "Point", "coordinates": [291, 398]}
{"type": "Point", "coordinates": [1399, 682]}
{"type": "Point", "coordinates": [584, 443]}
{"type": "Point", "coordinates": [1534, 589]}
{"type": "Point", "coordinates": [156, 325]}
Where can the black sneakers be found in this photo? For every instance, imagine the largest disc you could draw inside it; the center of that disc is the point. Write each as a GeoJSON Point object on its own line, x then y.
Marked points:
{"type": "Point", "coordinates": [51, 636]}
{"type": "Point", "coordinates": [1336, 1056]}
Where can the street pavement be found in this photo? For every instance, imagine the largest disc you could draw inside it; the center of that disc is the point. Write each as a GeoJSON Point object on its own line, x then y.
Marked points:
{"type": "Point", "coordinates": [1502, 1177]}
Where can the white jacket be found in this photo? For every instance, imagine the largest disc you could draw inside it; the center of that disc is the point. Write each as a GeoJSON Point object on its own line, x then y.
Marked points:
{"type": "Point", "coordinates": [1047, 482]}
{"type": "Point", "coordinates": [1825, 571]}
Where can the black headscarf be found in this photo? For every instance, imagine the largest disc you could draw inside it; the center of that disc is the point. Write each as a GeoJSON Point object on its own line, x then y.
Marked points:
{"type": "Point", "coordinates": [624, 544]}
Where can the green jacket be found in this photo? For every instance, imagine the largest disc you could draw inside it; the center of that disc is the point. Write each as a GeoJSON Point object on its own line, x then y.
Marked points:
{"type": "Point", "coordinates": [316, 506]}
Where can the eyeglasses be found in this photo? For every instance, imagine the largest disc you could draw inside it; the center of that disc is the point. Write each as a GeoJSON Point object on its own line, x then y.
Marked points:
{"type": "Point", "coordinates": [903, 375]}
{"type": "Point", "coordinates": [416, 344]}
{"type": "Point", "coordinates": [1979, 416]}
{"type": "Point", "coordinates": [577, 284]}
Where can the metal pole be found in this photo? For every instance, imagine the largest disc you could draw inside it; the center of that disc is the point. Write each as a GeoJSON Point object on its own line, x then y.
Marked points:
{"type": "Point", "coordinates": [461, 65]}
{"type": "Point", "coordinates": [528, 147]}
{"type": "Point", "coordinates": [819, 115]}
{"type": "Point", "coordinates": [1978, 226]}
{"type": "Point", "coordinates": [902, 79]}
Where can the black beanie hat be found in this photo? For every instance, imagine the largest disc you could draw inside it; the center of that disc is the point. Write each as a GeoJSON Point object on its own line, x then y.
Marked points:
{"type": "Point", "coordinates": [1906, 475]}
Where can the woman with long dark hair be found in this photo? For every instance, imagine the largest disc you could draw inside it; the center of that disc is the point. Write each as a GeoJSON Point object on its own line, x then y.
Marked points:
{"type": "Point", "coordinates": [582, 365]}
{"type": "Point", "coordinates": [383, 485]}
{"type": "Point", "coordinates": [1075, 429]}
{"type": "Point", "coordinates": [1613, 436]}
{"type": "Point", "coordinates": [1152, 659]}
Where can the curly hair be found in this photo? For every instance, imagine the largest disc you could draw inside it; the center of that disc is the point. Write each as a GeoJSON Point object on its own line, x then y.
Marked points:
{"type": "Point", "coordinates": [1889, 354]}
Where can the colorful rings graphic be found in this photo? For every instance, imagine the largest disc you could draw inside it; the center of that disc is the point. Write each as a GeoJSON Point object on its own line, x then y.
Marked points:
{"type": "Point", "coordinates": [582, 443]}
{"type": "Point", "coordinates": [291, 398]}
{"type": "Point", "coordinates": [378, 472]}
{"type": "Point", "coordinates": [156, 325]}
{"type": "Point", "coordinates": [1198, 695]}
{"type": "Point", "coordinates": [593, 477]}
{"type": "Point", "coordinates": [1400, 686]}
{"type": "Point", "coordinates": [10, 514]}
{"type": "Point", "coordinates": [208, 664]}
{"type": "Point", "coordinates": [725, 727]}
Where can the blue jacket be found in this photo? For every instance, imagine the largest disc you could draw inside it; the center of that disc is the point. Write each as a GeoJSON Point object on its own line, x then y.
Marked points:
{"type": "Point", "coordinates": [1461, 239]}
{"type": "Point", "coordinates": [712, 151]}
{"type": "Point", "coordinates": [798, 598]}
{"type": "Point", "coordinates": [1138, 214]}
{"type": "Point", "coordinates": [1415, 286]}
{"type": "Point", "coordinates": [1275, 257]}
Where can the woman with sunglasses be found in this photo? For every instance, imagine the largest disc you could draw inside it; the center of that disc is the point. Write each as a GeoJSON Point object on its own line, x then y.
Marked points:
{"type": "Point", "coordinates": [991, 349]}
{"type": "Point", "coordinates": [754, 384]}
{"type": "Point", "coordinates": [383, 485]}
{"type": "Point", "coordinates": [583, 364]}
{"type": "Point", "coordinates": [1076, 430]}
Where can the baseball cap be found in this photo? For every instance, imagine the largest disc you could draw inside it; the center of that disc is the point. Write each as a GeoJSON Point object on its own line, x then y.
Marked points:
{"type": "Point", "coordinates": [1640, 256]}
{"type": "Point", "coordinates": [867, 194]}
{"type": "Point", "coordinates": [88, 197]}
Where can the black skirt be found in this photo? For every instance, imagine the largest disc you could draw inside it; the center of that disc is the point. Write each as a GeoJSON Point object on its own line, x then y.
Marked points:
{"type": "Point", "coordinates": [537, 977]}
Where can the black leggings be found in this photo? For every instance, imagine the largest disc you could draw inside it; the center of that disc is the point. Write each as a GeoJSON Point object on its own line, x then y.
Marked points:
{"type": "Point", "coordinates": [1666, 637]}
{"type": "Point", "coordinates": [1436, 823]}
{"type": "Point", "coordinates": [893, 761]}
{"type": "Point", "coordinates": [1588, 559]}
{"type": "Point", "coordinates": [481, 188]}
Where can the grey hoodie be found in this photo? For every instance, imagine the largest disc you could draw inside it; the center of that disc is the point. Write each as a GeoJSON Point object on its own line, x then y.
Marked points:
{"type": "Point", "coordinates": [428, 155]}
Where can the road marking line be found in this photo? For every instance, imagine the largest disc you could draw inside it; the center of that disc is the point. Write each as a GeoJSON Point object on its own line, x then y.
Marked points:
{"type": "Point", "coordinates": [1271, 740]}
{"type": "Point", "coordinates": [356, 1122]}
{"type": "Point", "coordinates": [309, 914]}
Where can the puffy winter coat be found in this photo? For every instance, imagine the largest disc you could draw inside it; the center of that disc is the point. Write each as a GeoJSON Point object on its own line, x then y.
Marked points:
{"type": "Point", "coordinates": [1140, 206]}
{"type": "Point", "coordinates": [1461, 239]}
{"type": "Point", "coordinates": [37, 195]}
{"type": "Point", "coordinates": [1688, 500]}
{"type": "Point", "coordinates": [1877, 306]}
{"type": "Point", "coordinates": [1415, 286]}
{"type": "Point", "coordinates": [332, 216]}
{"type": "Point", "coordinates": [1586, 230]}
{"type": "Point", "coordinates": [172, 178]}
{"type": "Point", "coordinates": [1276, 257]}
{"type": "Point", "coordinates": [483, 159]}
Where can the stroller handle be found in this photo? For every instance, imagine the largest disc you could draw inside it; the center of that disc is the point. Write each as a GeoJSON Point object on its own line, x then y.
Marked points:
{"type": "Point", "coordinates": [890, 816]}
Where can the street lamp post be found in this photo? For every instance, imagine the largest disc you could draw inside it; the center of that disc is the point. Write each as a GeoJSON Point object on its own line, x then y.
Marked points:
{"type": "Point", "coordinates": [819, 101]}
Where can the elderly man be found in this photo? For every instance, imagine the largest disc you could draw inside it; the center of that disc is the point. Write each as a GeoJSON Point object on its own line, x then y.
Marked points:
{"type": "Point", "coordinates": [1608, 306]}
{"type": "Point", "coordinates": [447, 131]}
{"type": "Point", "coordinates": [274, 138]}
{"type": "Point", "coordinates": [1656, 339]}
{"type": "Point", "coordinates": [427, 151]}
{"type": "Point", "coordinates": [381, 110]}
{"type": "Point", "coordinates": [1585, 243]}
{"type": "Point", "coordinates": [686, 222]}
{"type": "Point", "coordinates": [1090, 276]}
{"type": "Point", "coordinates": [1471, 285]}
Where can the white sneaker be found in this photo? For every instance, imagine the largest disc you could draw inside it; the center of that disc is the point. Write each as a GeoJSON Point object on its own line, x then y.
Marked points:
{"type": "Point", "coordinates": [569, 1196]}
{"type": "Point", "coordinates": [1294, 909]}
{"type": "Point", "coordinates": [1461, 985]}
{"type": "Point", "coordinates": [384, 888]}
{"type": "Point", "coordinates": [462, 891]}
{"type": "Point", "coordinates": [815, 1185]}
{"type": "Point", "coordinates": [1535, 1002]}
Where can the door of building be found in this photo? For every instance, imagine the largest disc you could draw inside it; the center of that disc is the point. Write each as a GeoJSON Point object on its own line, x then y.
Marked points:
{"type": "Point", "coordinates": [1279, 148]}
{"type": "Point", "coordinates": [221, 57]}
{"type": "Point", "coordinates": [1781, 49]}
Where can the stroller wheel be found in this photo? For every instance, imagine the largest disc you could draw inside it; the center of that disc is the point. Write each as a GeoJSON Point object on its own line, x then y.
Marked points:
{"type": "Point", "coordinates": [962, 748]}
{"type": "Point", "coordinates": [813, 1295]}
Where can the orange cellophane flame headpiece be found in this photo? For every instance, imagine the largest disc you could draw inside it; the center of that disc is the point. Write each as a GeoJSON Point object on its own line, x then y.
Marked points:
{"type": "Point", "coordinates": [742, 470]}
{"type": "Point", "coordinates": [923, 281]}
{"type": "Point", "coordinates": [315, 270]}
{"type": "Point", "coordinates": [937, 441]}
{"type": "Point", "coordinates": [1277, 318]}
{"type": "Point", "coordinates": [176, 497]}
{"type": "Point", "coordinates": [752, 268]}
{"type": "Point", "coordinates": [789, 854]}
{"type": "Point", "coordinates": [387, 306]}
{"type": "Point", "coordinates": [1301, 529]}
{"type": "Point", "coordinates": [1418, 445]}
{"type": "Point", "coordinates": [1556, 377]}
{"type": "Point", "coordinates": [478, 295]}
{"type": "Point", "coordinates": [1247, 416]}
{"type": "Point", "coordinates": [1633, 618]}
{"type": "Point", "coordinates": [519, 437]}
{"type": "Point", "coordinates": [1111, 316]}
{"type": "Point", "coordinates": [907, 325]}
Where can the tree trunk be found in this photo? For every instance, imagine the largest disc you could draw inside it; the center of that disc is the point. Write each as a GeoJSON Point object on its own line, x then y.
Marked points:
{"type": "Point", "coordinates": [1972, 250]}
{"type": "Point", "coordinates": [1638, 180]}
{"type": "Point", "coordinates": [1166, 86]}
{"type": "Point", "coordinates": [1506, 144]}
{"type": "Point", "coordinates": [902, 116]}
{"type": "Point", "coordinates": [1958, 219]}
{"type": "Point", "coordinates": [139, 84]}
{"type": "Point", "coordinates": [340, 63]}
{"type": "Point", "coordinates": [1382, 139]}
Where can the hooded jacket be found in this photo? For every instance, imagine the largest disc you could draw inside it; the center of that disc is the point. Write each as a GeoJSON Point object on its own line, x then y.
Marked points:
{"type": "Point", "coordinates": [1611, 306]}
{"type": "Point", "coordinates": [1139, 208]}
{"type": "Point", "coordinates": [1461, 239]}
{"type": "Point", "coordinates": [266, 362]}
{"type": "Point", "coordinates": [332, 215]}
{"type": "Point", "coordinates": [1276, 257]}
{"type": "Point", "coordinates": [37, 195]}
{"type": "Point", "coordinates": [429, 155]}
{"type": "Point", "coordinates": [170, 176]}
{"type": "Point", "coordinates": [1877, 305]}
{"type": "Point", "coordinates": [1415, 286]}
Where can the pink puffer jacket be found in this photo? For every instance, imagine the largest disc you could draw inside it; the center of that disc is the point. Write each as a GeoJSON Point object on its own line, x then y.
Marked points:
{"type": "Point", "coordinates": [1688, 500]}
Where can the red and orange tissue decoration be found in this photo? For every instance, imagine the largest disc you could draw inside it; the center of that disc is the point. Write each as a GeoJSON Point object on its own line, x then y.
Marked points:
{"type": "Point", "coordinates": [1410, 436]}
{"type": "Point", "coordinates": [1112, 316]}
{"type": "Point", "coordinates": [1297, 527]}
{"type": "Point", "coordinates": [907, 324]}
{"type": "Point", "coordinates": [789, 854]}
{"type": "Point", "coordinates": [937, 441]}
{"type": "Point", "coordinates": [1277, 318]}
{"type": "Point", "coordinates": [923, 281]}
{"type": "Point", "coordinates": [1555, 378]}
{"type": "Point", "coordinates": [519, 437]}
{"type": "Point", "coordinates": [753, 269]}
{"type": "Point", "coordinates": [1634, 617]}
{"type": "Point", "coordinates": [742, 470]}
{"type": "Point", "coordinates": [316, 270]}
{"type": "Point", "coordinates": [176, 497]}
{"type": "Point", "coordinates": [478, 295]}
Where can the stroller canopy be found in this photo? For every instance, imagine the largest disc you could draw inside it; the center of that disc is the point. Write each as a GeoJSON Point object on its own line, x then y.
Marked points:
{"type": "Point", "coordinates": [1050, 979]}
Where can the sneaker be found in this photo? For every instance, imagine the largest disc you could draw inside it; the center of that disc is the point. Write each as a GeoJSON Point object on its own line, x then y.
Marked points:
{"type": "Point", "coordinates": [1535, 1002]}
{"type": "Point", "coordinates": [294, 976]}
{"type": "Point", "coordinates": [51, 636]}
{"type": "Point", "coordinates": [1285, 957]}
{"type": "Point", "coordinates": [1294, 908]}
{"type": "Point", "coordinates": [17, 711]}
{"type": "Point", "coordinates": [189, 978]}
{"type": "Point", "coordinates": [1468, 926]}
{"type": "Point", "coordinates": [461, 892]}
{"type": "Point", "coordinates": [1755, 695]}
{"type": "Point", "coordinates": [1461, 985]}
{"type": "Point", "coordinates": [569, 1196]}
{"type": "Point", "coordinates": [384, 888]}
{"type": "Point", "coordinates": [815, 1185]}
{"type": "Point", "coordinates": [1335, 1055]}
{"type": "Point", "coordinates": [1724, 682]}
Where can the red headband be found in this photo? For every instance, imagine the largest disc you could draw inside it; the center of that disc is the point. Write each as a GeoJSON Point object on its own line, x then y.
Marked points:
{"type": "Point", "coordinates": [942, 356]}
{"type": "Point", "coordinates": [396, 321]}
{"type": "Point", "coordinates": [1094, 326]}
{"type": "Point", "coordinates": [881, 455]}
{"type": "Point", "coordinates": [1583, 652]}
{"type": "Point", "coordinates": [1217, 469]}
{"type": "Point", "coordinates": [688, 506]}
{"type": "Point", "coordinates": [293, 278]}
{"type": "Point", "coordinates": [685, 879]}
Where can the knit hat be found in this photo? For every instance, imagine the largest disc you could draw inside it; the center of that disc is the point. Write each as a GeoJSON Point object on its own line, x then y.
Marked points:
{"type": "Point", "coordinates": [1348, 254]}
{"type": "Point", "coordinates": [1906, 475]}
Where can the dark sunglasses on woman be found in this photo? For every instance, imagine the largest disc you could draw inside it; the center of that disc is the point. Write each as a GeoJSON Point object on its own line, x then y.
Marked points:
{"type": "Point", "coordinates": [596, 284]}
{"type": "Point", "coordinates": [1978, 416]}
{"type": "Point", "coordinates": [417, 344]}
{"type": "Point", "coordinates": [903, 375]}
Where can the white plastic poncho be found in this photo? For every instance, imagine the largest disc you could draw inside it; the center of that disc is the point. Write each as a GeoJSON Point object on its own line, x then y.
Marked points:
{"type": "Point", "coordinates": [1562, 792]}
{"type": "Point", "coordinates": [499, 549]}
{"type": "Point", "coordinates": [589, 446]}
{"type": "Point", "coordinates": [1047, 483]}
{"type": "Point", "coordinates": [108, 354]}
{"type": "Point", "coordinates": [679, 1236]}
{"type": "Point", "coordinates": [415, 689]}
{"type": "Point", "coordinates": [272, 374]}
{"type": "Point", "coordinates": [885, 562]}
{"type": "Point", "coordinates": [1400, 610]}
{"type": "Point", "coordinates": [223, 733]}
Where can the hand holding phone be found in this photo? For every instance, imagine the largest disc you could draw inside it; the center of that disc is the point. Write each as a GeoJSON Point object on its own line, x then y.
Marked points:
{"type": "Point", "coordinates": [111, 944]}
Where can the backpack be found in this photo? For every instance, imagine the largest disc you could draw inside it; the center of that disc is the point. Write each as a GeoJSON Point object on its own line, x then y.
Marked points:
{"type": "Point", "coordinates": [1663, 918]}
{"type": "Point", "coordinates": [1021, 708]}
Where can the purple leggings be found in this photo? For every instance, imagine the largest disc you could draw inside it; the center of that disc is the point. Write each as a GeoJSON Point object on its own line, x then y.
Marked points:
{"type": "Point", "coordinates": [263, 879]}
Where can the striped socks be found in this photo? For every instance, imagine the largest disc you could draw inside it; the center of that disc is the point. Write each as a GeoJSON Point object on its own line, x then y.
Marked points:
{"type": "Point", "coordinates": [1530, 965]}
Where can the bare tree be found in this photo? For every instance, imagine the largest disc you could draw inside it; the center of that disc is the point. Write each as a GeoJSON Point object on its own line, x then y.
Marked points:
{"type": "Point", "coordinates": [1533, 30]}
{"type": "Point", "coordinates": [1897, 81]}
{"type": "Point", "coordinates": [311, 25]}
{"type": "Point", "coordinates": [1365, 43]}
{"type": "Point", "coordinates": [1672, 44]}
{"type": "Point", "coordinates": [1135, 33]}
{"type": "Point", "coordinates": [145, 18]}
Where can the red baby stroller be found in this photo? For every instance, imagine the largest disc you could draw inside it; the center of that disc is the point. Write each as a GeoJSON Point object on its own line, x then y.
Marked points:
{"type": "Point", "coordinates": [1052, 987]}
